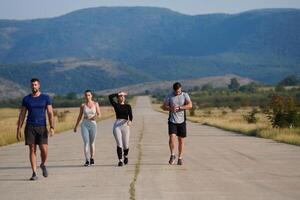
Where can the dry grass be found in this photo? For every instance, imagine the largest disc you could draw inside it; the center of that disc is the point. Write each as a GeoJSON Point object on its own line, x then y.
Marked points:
{"type": "Point", "coordinates": [225, 118]}
{"type": "Point", "coordinates": [9, 118]}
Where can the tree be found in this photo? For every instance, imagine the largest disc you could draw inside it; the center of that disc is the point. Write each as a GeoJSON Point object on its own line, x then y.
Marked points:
{"type": "Point", "coordinates": [279, 88]}
{"type": "Point", "coordinates": [284, 113]}
{"type": "Point", "coordinates": [234, 84]}
{"type": "Point", "coordinates": [207, 87]}
{"type": "Point", "coordinates": [71, 96]}
{"type": "Point", "coordinates": [290, 80]}
{"type": "Point", "coordinates": [252, 88]}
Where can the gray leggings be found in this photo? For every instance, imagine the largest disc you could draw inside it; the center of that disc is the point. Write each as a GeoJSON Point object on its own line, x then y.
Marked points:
{"type": "Point", "coordinates": [121, 133]}
{"type": "Point", "coordinates": [88, 133]}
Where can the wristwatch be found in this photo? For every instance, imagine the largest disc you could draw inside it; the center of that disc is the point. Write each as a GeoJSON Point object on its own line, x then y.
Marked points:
{"type": "Point", "coordinates": [51, 127]}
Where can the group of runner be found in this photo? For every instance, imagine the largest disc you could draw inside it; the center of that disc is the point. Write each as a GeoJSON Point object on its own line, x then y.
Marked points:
{"type": "Point", "coordinates": [36, 134]}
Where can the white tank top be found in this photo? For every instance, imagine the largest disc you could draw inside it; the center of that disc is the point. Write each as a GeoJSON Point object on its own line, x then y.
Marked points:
{"type": "Point", "coordinates": [89, 112]}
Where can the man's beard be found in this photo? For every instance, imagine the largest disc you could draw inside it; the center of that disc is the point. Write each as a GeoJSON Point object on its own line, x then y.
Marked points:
{"type": "Point", "coordinates": [34, 91]}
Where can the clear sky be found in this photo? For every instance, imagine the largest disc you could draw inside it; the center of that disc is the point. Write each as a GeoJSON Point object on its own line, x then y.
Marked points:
{"type": "Point", "coordinates": [30, 9]}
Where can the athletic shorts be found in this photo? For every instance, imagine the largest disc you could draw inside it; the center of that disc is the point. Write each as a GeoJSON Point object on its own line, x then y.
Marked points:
{"type": "Point", "coordinates": [178, 129]}
{"type": "Point", "coordinates": [36, 134]}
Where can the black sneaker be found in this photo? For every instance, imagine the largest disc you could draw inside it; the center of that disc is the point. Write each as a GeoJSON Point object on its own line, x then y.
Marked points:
{"type": "Point", "coordinates": [44, 169]}
{"type": "Point", "coordinates": [87, 163]}
{"type": "Point", "coordinates": [179, 161]}
{"type": "Point", "coordinates": [172, 160]}
{"type": "Point", "coordinates": [125, 160]}
{"type": "Point", "coordinates": [92, 161]}
{"type": "Point", "coordinates": [33, 177]}
{"type": "Point", "coordinates": [120, 164]}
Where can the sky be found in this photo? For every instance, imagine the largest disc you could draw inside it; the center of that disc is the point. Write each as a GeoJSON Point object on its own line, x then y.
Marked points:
{"type": "Point", "coordinates": [32, 9]}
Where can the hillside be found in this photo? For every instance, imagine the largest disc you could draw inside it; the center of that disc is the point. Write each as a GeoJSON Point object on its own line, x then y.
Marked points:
{"type": "Point", "coordinates": [215, 81]}
{"type": "Point", "coordinates": [10, 90]}
{"type": "Point", "coordinates": [108, 47]}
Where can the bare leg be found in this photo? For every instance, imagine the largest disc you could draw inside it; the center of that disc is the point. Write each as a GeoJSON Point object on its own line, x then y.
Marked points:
{"type": "Point", "coordinates": [44, 153]}
{"type": "Point", "coordinates": [172, 143]}
{"type": "Point", "coordinates": [180, 146]}
{"type": "Point", "coordinates": [32, 156]}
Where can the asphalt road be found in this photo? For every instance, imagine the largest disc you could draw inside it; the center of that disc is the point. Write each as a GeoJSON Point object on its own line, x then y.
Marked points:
{"type": "Point", "coordinates": [217, 165]}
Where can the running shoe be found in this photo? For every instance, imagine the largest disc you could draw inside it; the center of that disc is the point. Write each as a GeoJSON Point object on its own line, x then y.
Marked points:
{"type": "Point", "coordinates": [33, 177]}
{"type": "Point", "coordinates": [120, 164]}
{"type": "Point", "coordinates": [92, 161]}
{"type": "Point", "coordinates": [44, 170]}
{"type": "Point", "coordinates": [125, 160]}
{"type": "Point", "coordinates": [172, 160]}
{"type": "Point", "coordinates": [87, 163]}
{"type": "Point", "coordinates": [179, 162]}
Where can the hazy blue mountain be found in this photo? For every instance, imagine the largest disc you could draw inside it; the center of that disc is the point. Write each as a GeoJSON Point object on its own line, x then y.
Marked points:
{"type": "Point", "coordinates": [151, 44]}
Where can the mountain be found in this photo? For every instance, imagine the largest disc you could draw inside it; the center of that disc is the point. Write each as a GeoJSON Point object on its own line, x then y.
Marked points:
{"type": "Point", "coordinates": [73, 75]}
{"type": "Point", "coordinates": [214, 81]}
{"type": "Point", "coordinates": [11, 90]}
{"type": "Point", "coordinates": [144, 44]}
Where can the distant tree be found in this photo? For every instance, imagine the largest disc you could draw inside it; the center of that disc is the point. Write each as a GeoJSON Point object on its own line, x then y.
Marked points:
{"type": "Point", "coordinates": [251, 117]}
{"type": "Point", "coordinates": [71, 96]}
{"type": "Point", "coordinates": [290, 80]}
{"type": "Point", "coordinates": [234, 84]}
{"type": "Point", "coordinates": [251, 88]}
{"type": "Point", "coordinates": [284, 113]}
{"type": "Point", "coordinates": [147, 92]}
{"type": "Point", "coordinates": [207, 87]}
{"type": "Point", "coordinates": [279, 88]}
{"type": "Point", "coordinates": [196, 88]}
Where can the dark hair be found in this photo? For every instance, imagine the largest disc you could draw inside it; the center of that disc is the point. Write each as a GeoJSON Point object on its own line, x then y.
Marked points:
{"type": "Point", "coordinates": [176, 86]}
{"type": "Point", "coordinates": [34, 80]}
{"type": "Point", "coordinates": [88, 91]}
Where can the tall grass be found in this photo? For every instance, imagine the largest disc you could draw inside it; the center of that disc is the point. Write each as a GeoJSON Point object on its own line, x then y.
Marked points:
{"type": "Point", "coordinates": [9, 118]}
{"type": "Point", "coordinates": [226, 119]}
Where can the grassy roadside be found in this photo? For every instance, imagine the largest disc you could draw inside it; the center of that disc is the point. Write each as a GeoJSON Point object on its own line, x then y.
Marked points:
{"type": "Point", "coordinates": [9, 118]}
{"type": "Point", "coordinates": [225, 119]}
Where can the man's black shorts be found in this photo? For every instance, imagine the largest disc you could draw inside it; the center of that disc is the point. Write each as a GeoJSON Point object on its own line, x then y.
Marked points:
{"type": "Point", "coordinates": [36, 134]}
{"type": "Point", "coordinates": [178, 129]}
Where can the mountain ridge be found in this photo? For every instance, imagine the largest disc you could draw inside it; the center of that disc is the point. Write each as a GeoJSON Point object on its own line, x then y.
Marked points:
{"type": "Point", "coordinates": [123, 46]}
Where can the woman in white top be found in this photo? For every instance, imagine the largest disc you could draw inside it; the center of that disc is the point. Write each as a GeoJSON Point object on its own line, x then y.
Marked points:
{"type": "Point", "coordinates": [90, 110]}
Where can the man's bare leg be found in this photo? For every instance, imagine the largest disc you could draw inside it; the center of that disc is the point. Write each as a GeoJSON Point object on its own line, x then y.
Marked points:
{"type": "Point", "coordinates": [44, 153]}
{"type": "Point", "coordinates": [32, 156]}
{"type": "Point", "coordinates": [172, 143]}
{"type": "Point", "coordinates": [180, 147]}
{"type": "Point", "coordinates": [44, 158]}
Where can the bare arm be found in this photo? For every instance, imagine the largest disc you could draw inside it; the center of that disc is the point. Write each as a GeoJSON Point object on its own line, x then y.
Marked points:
{"type": "Point", "coordinates": [79, 118]}
{"type": "Point", "coordinates": [98, 110]}
{"type": "Point", "coordinates": [111, 99]}
{"type": "Point", "coordinates": [169, 108]}
{"type": "Point", "coordinates": [50, 118]}
{"type": "Point", "coordinates": [22, 115]}
{"type": "Point", "coordinates": [187, 106]}
{"type": "Point", "coordinates": [166, 106]}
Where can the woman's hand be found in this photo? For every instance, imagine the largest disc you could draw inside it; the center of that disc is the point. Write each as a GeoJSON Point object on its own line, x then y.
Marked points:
{"type": "Point", "coordinates": [128, 123]}
{"type": "Point", "coordinates": [93, 117]}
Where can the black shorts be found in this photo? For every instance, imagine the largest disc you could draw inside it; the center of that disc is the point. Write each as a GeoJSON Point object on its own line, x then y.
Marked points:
{"type": "Point", "coordinates": [36, 134]}
{"type": "Point", "coordinates": [178, 129]}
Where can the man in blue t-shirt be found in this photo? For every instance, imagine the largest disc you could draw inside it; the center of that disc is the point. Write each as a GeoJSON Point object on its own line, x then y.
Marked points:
{"type": "Point", "coordinates": [36, 132]}
{"type": "Point", "coordinates": [176, 103]}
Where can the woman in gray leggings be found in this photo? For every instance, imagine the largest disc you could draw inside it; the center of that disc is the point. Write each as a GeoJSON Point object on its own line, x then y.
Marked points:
{"type": "Point", "coordinates": [121, 126]}
{"type": "Point", "coordinates": [90, 110]}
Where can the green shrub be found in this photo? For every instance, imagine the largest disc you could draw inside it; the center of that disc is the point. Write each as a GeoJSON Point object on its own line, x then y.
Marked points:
{"type": "Point", "coordinates": [251, 117]}
{"type": "Point", "coordinates": [283, 112]}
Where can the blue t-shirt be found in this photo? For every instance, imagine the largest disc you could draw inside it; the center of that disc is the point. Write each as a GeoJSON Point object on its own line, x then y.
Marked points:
{"type": "Point", "coordinates": [36, 107]}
